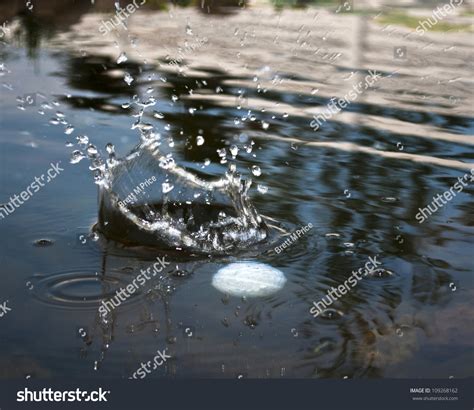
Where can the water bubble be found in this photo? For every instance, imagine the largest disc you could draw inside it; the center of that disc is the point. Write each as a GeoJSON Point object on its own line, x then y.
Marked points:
{"type": "Point", "coordinates": [188, 332]}
{"type": "Point", "coordinates": [158, 115]}
{"type": "Point", "coordinates": [380, 273]}
{"type": "Point", "coordinates": [128, 78]}
{"type": "Point", "coordinates": [174, 98]}
{"type": "Point", "coordinates": [294, 332]}
{"type": "Point", "coordinates": [400, 146]}
{"type": "Point", "coordinates": [82, 139]}
{"type": "Point", "coordinates": [122, 58]}
{"type": "Point", "coordinates": [82, 332]}
{"type": "Point", "coordinates": [399, 332]}
{"type": "Point", "coordinates": [331, 313]}
{"type": "Point", "coordinates": [76, 157]}
{"type": "Point", "coordinates": [452, 286]}
{"type": "Point", "coordinates": [82, 239]}
{"type": "Point", "coordinates": [44, 242]}
{"type": "Point", "coordinates": [256, 170]}
{"type": "Point", "coordinates": [400, 239]}
{"type": "Point", "coordinates": [265, 125]}
{"type": "Point", "coordinates": [293, 146]}
{"type": "Point", "coordinates": [29, 285]}
{"type": "Point", "coordinates": [29, 5]}
{"type": "Point", "coordinates": [347, 193]}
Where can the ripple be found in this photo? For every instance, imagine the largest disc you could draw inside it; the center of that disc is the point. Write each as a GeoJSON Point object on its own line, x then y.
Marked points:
{"type": "Point", "coordinates": [77, 289]}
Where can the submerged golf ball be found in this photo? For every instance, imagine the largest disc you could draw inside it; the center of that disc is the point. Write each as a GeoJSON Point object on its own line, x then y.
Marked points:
{"type": "Point", "coordinates": [248, 279]}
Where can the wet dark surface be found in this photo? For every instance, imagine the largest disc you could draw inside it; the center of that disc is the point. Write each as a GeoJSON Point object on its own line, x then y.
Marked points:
{"type": "Point", "coordinates": [409, 143]}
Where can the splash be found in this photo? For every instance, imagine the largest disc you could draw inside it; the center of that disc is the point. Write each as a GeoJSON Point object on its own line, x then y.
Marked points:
{"type": "Point", "coordinates": [181, 209]}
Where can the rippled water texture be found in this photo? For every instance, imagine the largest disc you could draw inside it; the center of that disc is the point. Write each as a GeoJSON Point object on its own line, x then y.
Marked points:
{"type": "Point", "coordinates": [247, 79]}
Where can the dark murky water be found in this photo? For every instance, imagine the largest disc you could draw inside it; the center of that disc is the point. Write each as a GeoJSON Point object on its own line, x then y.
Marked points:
{"type": "Point", "coordinates": [256, 80]}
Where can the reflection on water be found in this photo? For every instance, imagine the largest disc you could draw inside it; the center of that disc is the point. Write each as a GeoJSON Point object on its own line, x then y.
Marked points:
{"type": "Point", "coordinates": [255, 84]}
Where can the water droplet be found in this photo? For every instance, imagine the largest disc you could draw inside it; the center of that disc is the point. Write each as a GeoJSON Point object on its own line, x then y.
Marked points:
{"type": "Point", "coordinates": [158, 115]}
{"type": "Point", "coordinates": [122, 58]}
{"type": "Point", "coordinates": [189, 30]}
{"type": "Point", "coordinates": [400, 146]}
{"type": "Point", "coordinates": [347, 193]}
{"type": "Point", "coordinates": [92, 151]}
{"type": "Point", "coordinates": [234, 150]}
{"type": "Point", "coordinates": [294, 332]}
{"type": "Point", "coordinates": [199, 140]}
{"type": "Point", "coordinates": [128, 78]}
{"type": "Point", "coordinates": [188, 332]}
{"type": "Point", "coordinates": [29, 5]}
{"type": "Point", "coordinates": [265, 125]}
{"type": "Point", "coordinates": [29, 285]}
{"type": "Point", "coordinates": [399, 332]}
{"type": "Point", "coordinates": [82, 239]}
{"type": "Point", "coordinates": [69, 130]}
{"type": "Point", "coordinates": [262, 189]}
{"type": "Point", "coordinates": [256, 170]}
{"type": "Point", "coordinates": [453, 286]}
{"type": "Point", "coordinates": [166, 187]}
{"type": "Point", "coordinates": [76, 157]}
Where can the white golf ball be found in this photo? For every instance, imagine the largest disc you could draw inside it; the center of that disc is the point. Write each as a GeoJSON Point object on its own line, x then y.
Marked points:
{"type": "Point", "coordinates": [248, 279]}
